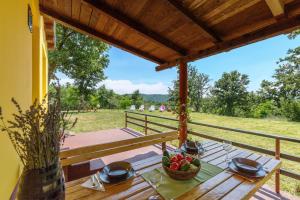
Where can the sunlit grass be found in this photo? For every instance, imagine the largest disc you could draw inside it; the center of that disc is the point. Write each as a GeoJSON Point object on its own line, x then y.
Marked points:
{"type": "Point", "coordinates": [107, 119]}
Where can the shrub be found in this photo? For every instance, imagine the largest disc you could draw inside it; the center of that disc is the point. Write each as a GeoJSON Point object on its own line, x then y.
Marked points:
{"type": "Point", "coordinates": [125, 102]}
{"type": "Point", "coordinates": [291, 109]}
{"type": "Point", "coordinates": [265, 109]}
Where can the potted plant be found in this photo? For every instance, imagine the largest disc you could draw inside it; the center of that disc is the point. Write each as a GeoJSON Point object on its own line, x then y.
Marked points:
{"type": "Point", "coordinates": [37, 135]}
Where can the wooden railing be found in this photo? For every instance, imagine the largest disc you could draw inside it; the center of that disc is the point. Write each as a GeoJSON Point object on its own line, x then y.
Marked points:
{"type": "Point", "coordinates": [146, 122]}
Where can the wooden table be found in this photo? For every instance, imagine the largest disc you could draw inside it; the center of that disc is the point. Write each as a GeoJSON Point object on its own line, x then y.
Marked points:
{"type": "Point", "coordinates": [223, 186]}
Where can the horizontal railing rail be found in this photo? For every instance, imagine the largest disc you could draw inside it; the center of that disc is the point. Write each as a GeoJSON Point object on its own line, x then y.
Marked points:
{"type": "Point", "coordinates": [226, 128]}
{"type": "Point", "coordinates": [278, 155]}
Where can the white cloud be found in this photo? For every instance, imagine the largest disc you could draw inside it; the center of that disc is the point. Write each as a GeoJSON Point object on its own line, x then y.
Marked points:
{"type": "Point", "coordinates": [127, 87]}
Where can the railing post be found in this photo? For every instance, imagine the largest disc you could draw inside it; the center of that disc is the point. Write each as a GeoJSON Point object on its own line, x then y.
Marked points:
{"type": "Point", "coordinates": [146, 125]}
{"type": "Point", "coordinates": [277, 173]}
{"type": "Point", "coordinates": [125, 119]}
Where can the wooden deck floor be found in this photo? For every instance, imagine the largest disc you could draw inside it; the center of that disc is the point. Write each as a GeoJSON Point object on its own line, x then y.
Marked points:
{"type": "Point", "coordinates": [268, 193]}
{"type": "Point", "coordinates": [105, 136]}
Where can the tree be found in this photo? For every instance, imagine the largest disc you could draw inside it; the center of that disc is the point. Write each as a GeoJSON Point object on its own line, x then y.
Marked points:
{"type": "Point", "coordinates": [113, 101]}
{"type": "Point", "coordinates": [287, 76]}
{"type": "Point", "coordinates": [286, 84]}
{"type": "Point", "coordinates": [70, 98]}
{"type": "Point", "coordinates": [294, 34]}
{"type": "Point", "coordinates": [230, 92]}
{"type": "Point", "coordinates": [291, 109]}
{"type": "Point", "coordinates": [197, 87]}
{"type": "Point", "coordinates": [105, 97]}
{"type": "Point", "coordinates": [173, 94]}
{"type": "Point", "coordinates": [137, 98]}
{"type": "Point", "coordinates": [125, 102]}
{"type": "Point", "coordinates": [94, 101]}
{"type": "Point", "coordinates": [80, 57]}
{"type": "Point", "coordinates": [285, 89]}
{"type": "Point", "coordinates": [268, 91]}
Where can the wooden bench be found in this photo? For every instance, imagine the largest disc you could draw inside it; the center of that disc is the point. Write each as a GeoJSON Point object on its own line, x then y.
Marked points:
{"type": "Point", "coordinates": [86, 154]}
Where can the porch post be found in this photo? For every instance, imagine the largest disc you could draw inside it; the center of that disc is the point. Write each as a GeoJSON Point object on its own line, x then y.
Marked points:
{"type": "Point", "coordinates": [183, 92]}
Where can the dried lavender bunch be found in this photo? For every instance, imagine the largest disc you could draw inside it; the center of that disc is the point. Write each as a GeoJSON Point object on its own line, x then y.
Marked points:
{"type": "Point", "coordinates": [38, 133]}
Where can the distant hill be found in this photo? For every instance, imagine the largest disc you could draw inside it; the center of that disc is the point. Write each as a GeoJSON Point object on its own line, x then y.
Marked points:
{"type": "Point", "coordinates": [159, 98]}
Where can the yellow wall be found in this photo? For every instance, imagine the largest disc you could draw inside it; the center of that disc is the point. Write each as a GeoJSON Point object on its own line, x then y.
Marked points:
{"type": "Point", "coordinates": [40, 60]}
{"type": "Point", "coordinates": [23, 72]}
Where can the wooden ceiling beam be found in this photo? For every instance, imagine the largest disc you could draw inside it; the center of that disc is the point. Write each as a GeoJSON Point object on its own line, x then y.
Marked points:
{"type": "Point", "coordinates": [74, 24]}
{"type": "Point", "coordinates": [121, 18]}
{"type": "Point", "coordinates": [276, 7]}
{"type": "Point", "coordinates": [50, 46]}
{"type": "Point", "coordinates": [48, 26]}
{"type": "Point", "coordinates": [187, 13]}
{"type": "Point", "coordinates": [283, 26]}
{"type": "Point", "coordinates": [223, 17]}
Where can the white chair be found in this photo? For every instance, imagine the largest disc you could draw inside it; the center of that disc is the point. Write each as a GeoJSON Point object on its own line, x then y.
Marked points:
{"type": "Point", "coordinates": [142, 108]}
{"type": "Point", "coordinates": [152, 108]}
{"type": "Point", "coordinates": [132, 108]}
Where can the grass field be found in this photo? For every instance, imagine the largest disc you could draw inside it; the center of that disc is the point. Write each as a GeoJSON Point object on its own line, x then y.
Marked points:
{"type": "Point", "coordinates": [107, 119]}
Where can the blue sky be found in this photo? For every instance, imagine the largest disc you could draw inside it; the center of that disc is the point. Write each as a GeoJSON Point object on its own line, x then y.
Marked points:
{"type": "Point", "coordinates": [127, 72]}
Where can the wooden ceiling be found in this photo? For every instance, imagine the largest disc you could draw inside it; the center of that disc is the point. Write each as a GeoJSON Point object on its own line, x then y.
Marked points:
{"type": "Point", "coordinates": [169, 31]}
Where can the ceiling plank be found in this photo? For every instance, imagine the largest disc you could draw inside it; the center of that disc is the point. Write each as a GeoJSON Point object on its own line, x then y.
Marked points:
{"type": "Point", "coordinates": [74, 24]}
{"type": "Point", "coordinates": [233, 12]}
{"type": "Point", "coordinates": [205, 30]}
{"type": "Point", "coordinates": [276, 7]}
{"type": "Point", "coordinates": [121, 18]}
{"type": "Point", "coordinates": [283, 26]}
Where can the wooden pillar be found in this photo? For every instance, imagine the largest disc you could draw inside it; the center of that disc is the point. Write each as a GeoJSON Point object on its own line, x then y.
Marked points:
{"type": "Point", "coordinates": [183, 92]}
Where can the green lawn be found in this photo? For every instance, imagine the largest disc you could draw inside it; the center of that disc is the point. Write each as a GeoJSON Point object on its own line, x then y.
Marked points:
{"type": "Point", "coordinates": [107, 119]}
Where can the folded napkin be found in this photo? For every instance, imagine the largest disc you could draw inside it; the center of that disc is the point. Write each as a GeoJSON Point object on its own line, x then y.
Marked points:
{"type": "Point", "coordinates": [89, 184]}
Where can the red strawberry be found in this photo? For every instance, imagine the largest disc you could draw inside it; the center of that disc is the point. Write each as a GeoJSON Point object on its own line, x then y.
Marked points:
{"type": "Point", "coordinates": [179, 156]}
{"type": "Point", "coordinates": [174, 159]}
{"type": "Point", "coordinates": [189, 158]}
{"type": "Point", "coordinates": [174, 166]}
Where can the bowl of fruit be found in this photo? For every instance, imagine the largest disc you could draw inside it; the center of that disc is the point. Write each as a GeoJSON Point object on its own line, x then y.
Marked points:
{"type": "Point", "coordinates": [180, 166]}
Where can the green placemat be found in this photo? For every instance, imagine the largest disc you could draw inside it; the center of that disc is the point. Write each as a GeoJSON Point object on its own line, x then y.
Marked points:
{"type": "Point", "coordinates": [171, 189]}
